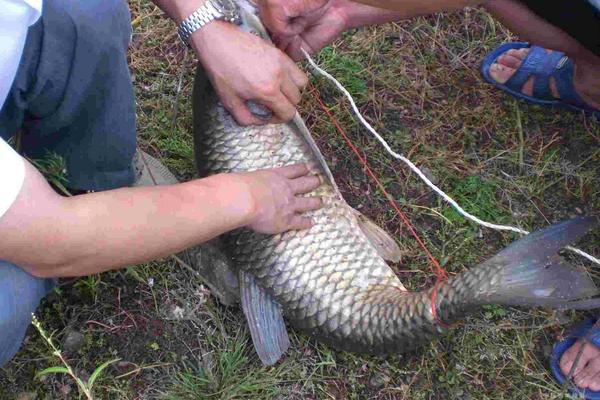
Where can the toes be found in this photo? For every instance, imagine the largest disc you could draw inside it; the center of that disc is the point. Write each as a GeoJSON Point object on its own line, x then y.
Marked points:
{"type": "Point", "coordinates": [567, 359]}
{"type": "Point", "coordinates": [509, 61]}
{"type": "Point", "coordinates": [507, 64]}
{"type": "Point", "coordinates": [594, 383]}
{"type": "Point", "coordinates": [587, 376]}
{"type": "Point", "coordinates": [587, 370]}
{"type": "Point", "coordinates": [583, 377]}
{"type": "Point", "coordinates": [520, 54]}
{"type": "Point", "coordinates": [501, 73]}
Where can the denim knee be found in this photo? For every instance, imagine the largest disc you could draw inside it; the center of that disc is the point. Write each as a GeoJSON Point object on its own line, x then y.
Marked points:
{"type": "Point", "coordinates": [106, 22]}
{"type": "Point", "coordinates": [75, 88]}
{"type": "Point", "coordinates": [20, 295]}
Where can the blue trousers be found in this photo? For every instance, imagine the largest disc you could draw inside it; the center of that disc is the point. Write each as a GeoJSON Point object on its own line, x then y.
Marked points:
{"type": "Point", "coordinates": [73, 96]}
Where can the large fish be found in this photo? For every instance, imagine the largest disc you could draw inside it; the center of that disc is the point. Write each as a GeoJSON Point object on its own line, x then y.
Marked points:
{"type": "Point", "coordinates": [332, 280]}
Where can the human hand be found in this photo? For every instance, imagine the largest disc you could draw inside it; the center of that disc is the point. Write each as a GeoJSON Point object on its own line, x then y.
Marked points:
{"type": "Point", "coordinates": [243, 67]}
{"type": "Point", "coordinates": [277, 198]}
{"type": "Point", "coordinates": [288, 18]}
{"type": "Point", "coordinates": [307, 24]}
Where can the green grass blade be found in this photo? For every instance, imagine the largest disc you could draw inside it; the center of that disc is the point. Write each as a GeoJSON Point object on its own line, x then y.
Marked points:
{"type": "Point", "coordinates": [98, 371]}
{"type": "Point", "coordinates": [52, 370]}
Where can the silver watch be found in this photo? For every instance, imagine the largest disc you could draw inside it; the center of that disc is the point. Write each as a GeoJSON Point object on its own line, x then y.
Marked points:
{"type": "Point", "coordinates": [211, 10]}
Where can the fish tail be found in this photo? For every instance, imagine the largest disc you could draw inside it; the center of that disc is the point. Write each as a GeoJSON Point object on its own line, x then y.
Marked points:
{"type": "Point", "coordinates": [530, 272]}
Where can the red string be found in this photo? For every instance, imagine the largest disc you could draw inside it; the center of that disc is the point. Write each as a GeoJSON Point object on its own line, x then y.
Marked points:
{"type": "Point", "coordinates": [437, 269]}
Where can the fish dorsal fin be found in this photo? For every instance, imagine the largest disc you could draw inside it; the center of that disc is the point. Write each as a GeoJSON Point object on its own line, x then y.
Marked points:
{"type": "Point", "coordinates": [299, 124]}
{"type": "Point", "coordinates": [265, 320]}
{"type": "Point", "coordinates": [385, 245]}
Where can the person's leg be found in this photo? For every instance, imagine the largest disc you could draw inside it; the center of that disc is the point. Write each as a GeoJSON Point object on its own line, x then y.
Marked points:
{"type": "Point", "coordinates": [583, 22]}
{"type": "Point", "coordinates": [538, 31]}
{"type": "Point", "coordinates": [73, 93]}
{"type": "Point", "coordinates": [519, 17]}
{"type": "Point", "coordinates": [580, 20]}
{"type": "Point", "coordinates": [20, 295]}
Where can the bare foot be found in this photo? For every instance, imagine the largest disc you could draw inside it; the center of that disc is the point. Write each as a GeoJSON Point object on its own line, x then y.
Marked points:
{"type": "Point", "coordinates": [587, 371]}
{"type": "Point", "coordinates": [586, 85]}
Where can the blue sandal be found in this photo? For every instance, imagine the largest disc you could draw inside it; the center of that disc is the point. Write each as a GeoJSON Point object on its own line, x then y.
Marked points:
{"type": "Point", "coordinates": [559, 349]}
{"type": "Point", "coordinates": [542, 65]}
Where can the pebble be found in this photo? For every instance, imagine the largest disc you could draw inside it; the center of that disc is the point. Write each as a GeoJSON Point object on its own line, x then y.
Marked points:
{"type": "Point", "coordinates": [73, 342]}
{"type": "Point", "coordinates": [563, 317]}
{"type": "Point", "coordinates": [430, 175]}
{"type": "Point", "coordinates": [379, 380]}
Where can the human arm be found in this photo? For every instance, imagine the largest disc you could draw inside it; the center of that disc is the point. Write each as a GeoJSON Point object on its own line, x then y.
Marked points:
{"type": "Point", "coordinates": [297, 24]}
{"type": "Point", "coordinates": [53, 236]}
{"type": "Point", "coordinates": [314, 24]}
{"type": "Point", "coordinates": [420, 6]}
{"type": "Point", "coordinates": [242, 67]}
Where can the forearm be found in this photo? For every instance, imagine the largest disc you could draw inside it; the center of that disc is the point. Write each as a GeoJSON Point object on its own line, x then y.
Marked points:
{"type": "Point", "coordinates": [373, 12]}
{"type": "Point", "coordinates": [178, 10]}
{"type": "Point", "coordinates": [135, 225]}
{"type": "Point", "coordinates": [359, 15]}
{"type": "Point", "coordinates": [97, 232]}
{"type": "Point", "coordinates": [415, 7]}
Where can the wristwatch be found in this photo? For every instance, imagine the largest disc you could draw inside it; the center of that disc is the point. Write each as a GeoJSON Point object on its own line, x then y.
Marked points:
{"type": "Point", "coordinates": [211, 10]}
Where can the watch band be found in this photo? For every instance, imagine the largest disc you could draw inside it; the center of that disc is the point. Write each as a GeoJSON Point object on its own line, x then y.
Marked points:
{"type": "Point", "coordinates": [210, 11]}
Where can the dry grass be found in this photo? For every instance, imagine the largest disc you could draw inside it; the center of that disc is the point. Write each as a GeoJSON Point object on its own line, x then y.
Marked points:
{"type": "Point", "coordinates": [418, 83]}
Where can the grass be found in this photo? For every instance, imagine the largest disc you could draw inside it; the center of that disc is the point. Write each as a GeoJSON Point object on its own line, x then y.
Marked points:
{"type": "Point", "coordinates": [418, 83]}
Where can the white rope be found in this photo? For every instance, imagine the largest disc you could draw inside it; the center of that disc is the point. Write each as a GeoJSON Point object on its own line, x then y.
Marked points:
{"type": "Point", "coordinates": [417, 171]}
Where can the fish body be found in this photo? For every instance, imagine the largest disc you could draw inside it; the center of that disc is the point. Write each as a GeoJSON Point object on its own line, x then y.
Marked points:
{"type": "Point", "coordinates": [325, 276]}
{"type": "Point", "coordinates": [332, 280]}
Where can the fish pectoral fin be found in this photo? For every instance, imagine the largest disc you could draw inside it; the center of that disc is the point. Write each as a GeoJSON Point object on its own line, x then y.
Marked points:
{"type": "Point", "coordinates": [265, 320]}
{"type": "Point", "coordinates": [385, 245]}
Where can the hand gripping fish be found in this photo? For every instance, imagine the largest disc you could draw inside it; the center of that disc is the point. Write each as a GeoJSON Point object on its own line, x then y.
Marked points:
{"type": "Point", "coordinates": [332, 280]}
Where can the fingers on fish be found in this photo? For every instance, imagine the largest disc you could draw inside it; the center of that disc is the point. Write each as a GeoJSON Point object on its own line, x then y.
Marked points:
{"type": "Point", "coordinates": [304, 204]}
{"type": "Point", "coordinates": [297, 75]}
{"type": "Point", "coordinates": [281, 106]}
{"type": "Point", "coordinates": [300, 223]}
{"type": "Point", "coordinates": [292, 92]}
{"type": "Point", "coordinates": [294, 171]}
{"type": "Point", "coordinates": [305, 184]}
